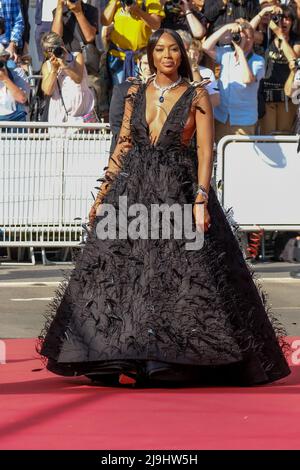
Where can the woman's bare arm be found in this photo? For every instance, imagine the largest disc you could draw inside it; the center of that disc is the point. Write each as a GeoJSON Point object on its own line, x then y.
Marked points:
{"type": "Point", "coordinates": [75, 72]}
{"type": "Point", "coordinates": [205, 142]}
{"type": "Point", "coordinates": [205, 138]}
{"type": "Point", "coordinates": [115, 161]}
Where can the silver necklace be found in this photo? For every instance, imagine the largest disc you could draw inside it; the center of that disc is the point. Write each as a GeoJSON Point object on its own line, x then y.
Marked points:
{"type": "Point", "coordinates": [165, 88]}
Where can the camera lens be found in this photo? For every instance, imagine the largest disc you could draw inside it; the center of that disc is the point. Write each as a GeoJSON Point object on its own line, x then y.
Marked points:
{"type": "Point", "coordinates": [236, 37]}
{"type": "Point", "coordinates": [58, 52]}
{"type": "Point", "coordinates": [2, 64]}
{"type": "Point", "coordinates": [277, 18]}
{"type": "Point", "coordinates": [128, 3]}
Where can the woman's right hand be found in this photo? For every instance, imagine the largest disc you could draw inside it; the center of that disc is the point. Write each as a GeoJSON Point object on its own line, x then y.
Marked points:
{"type": "Point", "coordinates": [54, 63]}
{"type": "Point", "coordinates": [95, 211]}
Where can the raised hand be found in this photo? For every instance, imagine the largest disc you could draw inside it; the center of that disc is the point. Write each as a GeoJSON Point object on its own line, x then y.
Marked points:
{"type": "Point", "coordinates": [75, 7]}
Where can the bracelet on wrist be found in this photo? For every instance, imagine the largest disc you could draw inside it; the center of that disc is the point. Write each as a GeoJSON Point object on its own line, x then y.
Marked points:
{"type": "Point", "coordinates": [200, 186]}
{"type": "Point", "coordinates": [202, 191]}
{"type": "Point", "coordinates": [188, 12]}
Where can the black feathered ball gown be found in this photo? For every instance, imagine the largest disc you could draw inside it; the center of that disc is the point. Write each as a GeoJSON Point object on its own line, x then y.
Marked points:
{"type": "Point", "coordinates": [150, 307]}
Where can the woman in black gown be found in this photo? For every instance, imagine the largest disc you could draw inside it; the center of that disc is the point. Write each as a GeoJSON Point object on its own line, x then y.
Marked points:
{"type": "Point", "coordinates": [148, 310]}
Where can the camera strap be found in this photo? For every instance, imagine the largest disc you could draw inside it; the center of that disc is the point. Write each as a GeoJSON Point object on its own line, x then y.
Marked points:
{"type": "Point", "coordinates": [78, 35]}
{"type": "Point", "coordinates": [61, 97]}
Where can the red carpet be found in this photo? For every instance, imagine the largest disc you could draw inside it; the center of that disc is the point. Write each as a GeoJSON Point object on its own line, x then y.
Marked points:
{"type": "Point", "coordinates": [42, 411]}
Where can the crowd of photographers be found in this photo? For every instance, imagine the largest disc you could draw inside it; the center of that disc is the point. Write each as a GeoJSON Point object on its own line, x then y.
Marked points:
{"type": "Point", "coordinates": [246, 50]}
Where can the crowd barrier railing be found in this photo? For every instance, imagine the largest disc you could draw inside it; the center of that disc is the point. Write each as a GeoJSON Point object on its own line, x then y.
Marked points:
{"type": "Point", "coordinates": [47, 175]}
{"type": "Point", "coordinates": [258, 176]}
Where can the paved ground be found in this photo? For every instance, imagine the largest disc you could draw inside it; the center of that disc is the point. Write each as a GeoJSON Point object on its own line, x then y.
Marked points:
{"type": "Point", "coordinates": [26, 291]}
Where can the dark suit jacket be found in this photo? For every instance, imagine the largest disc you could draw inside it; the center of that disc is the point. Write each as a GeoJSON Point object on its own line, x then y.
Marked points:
{"type": "Point", "coordinates": [116, 111]}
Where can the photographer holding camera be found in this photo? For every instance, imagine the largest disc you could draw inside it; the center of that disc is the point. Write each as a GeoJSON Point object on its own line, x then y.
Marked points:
{"type": "Point", "coordinates": [283, 47]}
{"type": "Point", "coordinates": [77, 23]}
{"type": "Point", "coordinates": [134, 20]}
{"type": "Point", "coordinates": [221, 12]}
{"type": "Point", "coordinates": [71, 15]}
{"type": "Point", "coordinates": [181, 15]}
{"type": "Point", "coordinates": [65, 81]}
{"type": "Point", "coordinates": [11, 26]}
{"type": "Point", "coordinates": [14, 90]}
{"type": "Point", "coordinates": [241, 72]}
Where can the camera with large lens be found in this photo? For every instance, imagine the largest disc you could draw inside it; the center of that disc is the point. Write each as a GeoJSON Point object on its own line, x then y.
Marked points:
{"type": "Point", "coordinates": [237, 38]}
{"type": "Point", "coordinates": [127, 3]}
{"type": "Point", "coordinates": [172, 6]}
{"type": "Point", "coordinates": [58, 52]}
{"type": "Point", "coordinates": [297, 63]}
{"type": "Point", "coordinates": [277, 18]}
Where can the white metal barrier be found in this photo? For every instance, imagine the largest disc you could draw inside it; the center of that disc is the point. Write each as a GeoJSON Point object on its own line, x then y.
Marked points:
{"type": "Point", "coordinates": [47, 175]}
{"type": "Point", "coordinates": [258, 176]}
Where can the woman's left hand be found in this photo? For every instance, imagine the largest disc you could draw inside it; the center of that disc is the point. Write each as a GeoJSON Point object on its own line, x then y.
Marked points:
{"type": "Point", "coordinates": [62, 64]}
{"type": "Point", "coordinates": [202, 217]}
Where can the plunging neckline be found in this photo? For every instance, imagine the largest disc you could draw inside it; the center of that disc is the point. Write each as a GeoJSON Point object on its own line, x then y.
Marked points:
{"type": "Point", "coordinates": [167, 118]}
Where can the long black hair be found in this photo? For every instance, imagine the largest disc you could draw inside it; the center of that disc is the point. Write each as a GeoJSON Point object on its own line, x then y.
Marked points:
{"type": "Point", "coordinates": [184, 69]}
{"type": "Point", "coordinates": [290, 12]}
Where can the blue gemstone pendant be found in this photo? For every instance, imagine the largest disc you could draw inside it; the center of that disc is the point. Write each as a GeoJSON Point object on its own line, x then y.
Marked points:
{"type": "Point", "coordinates": [161, 99]}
